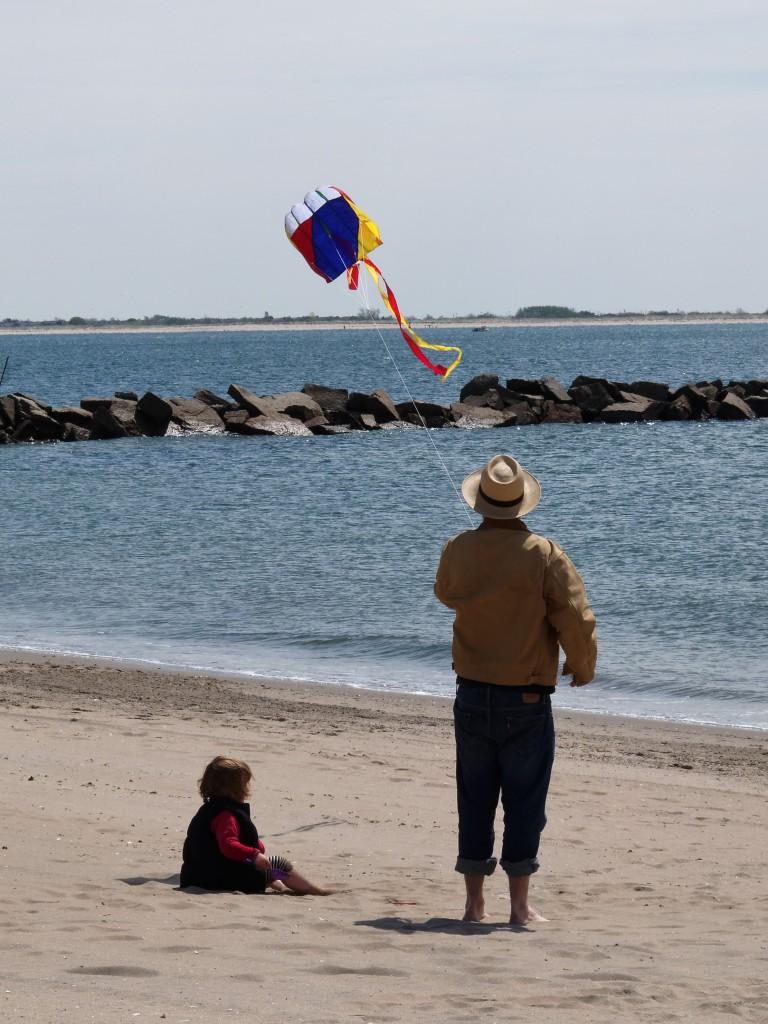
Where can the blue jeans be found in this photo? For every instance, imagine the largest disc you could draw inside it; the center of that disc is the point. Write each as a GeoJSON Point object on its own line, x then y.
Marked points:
{"type": "Point", "coordinates": [505, 744]}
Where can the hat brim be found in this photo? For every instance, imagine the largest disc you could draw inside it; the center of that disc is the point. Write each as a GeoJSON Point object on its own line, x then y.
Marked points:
{"type": "Point", "coordinates": [470, 489]}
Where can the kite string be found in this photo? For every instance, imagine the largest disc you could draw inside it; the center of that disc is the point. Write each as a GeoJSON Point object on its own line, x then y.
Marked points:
{"type": "Point", "coordinates": [368, 310]}
{"type": "Point", "coordinates": [403, 381]}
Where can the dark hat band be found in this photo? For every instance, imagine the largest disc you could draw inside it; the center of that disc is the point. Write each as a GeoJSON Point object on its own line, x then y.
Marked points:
{"type": "Point", "coordinates": [500, 504]}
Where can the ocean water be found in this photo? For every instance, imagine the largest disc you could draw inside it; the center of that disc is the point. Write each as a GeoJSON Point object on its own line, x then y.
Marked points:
{"type": "Point", "coordinates": [314, 558]}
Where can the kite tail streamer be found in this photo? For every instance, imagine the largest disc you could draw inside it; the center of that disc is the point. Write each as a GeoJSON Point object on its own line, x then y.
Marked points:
{"type": "Point", "coordinates": [416, 344]}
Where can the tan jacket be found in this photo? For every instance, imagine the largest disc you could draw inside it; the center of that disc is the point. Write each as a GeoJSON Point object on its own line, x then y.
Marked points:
{"type": "Point", "coordinates": [517, 596]}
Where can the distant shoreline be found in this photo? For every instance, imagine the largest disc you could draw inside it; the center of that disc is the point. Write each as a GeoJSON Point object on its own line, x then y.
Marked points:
{"type": "Point", "coordinates": [364, 325]}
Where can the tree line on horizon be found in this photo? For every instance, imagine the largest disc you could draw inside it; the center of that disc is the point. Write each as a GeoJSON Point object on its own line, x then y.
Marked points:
{"type": "Point", "coordinates": [545, 312]}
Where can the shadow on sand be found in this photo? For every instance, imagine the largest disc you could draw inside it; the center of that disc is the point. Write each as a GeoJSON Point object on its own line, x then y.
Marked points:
{"type": "Point", "coordinates": [446, 925]}
{"type": "Point", "coordinates": [143, 879]}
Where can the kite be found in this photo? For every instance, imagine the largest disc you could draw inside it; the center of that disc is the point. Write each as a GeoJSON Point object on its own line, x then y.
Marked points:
{"type": "Point", "coordinates": [335, 237]}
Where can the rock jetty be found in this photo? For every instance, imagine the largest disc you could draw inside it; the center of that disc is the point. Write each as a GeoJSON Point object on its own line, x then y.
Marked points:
{"type": "Point", "coordinates": [484, 401]}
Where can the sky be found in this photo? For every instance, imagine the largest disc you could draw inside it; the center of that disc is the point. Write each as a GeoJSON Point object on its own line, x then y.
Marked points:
{"type": "Point", "coordinates": [602, 155]}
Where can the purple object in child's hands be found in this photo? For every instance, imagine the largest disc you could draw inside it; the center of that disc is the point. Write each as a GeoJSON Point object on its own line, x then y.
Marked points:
{"type": "Point", "coordinates": [279, 869]}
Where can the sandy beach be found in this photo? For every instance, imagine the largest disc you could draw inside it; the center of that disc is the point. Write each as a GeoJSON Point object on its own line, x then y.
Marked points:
{"type": "Point", "coordinates": [653, 862]}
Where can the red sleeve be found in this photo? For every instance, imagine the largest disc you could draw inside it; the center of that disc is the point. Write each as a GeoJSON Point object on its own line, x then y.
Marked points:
{"type": "Point", "coordinates": [224, 827]}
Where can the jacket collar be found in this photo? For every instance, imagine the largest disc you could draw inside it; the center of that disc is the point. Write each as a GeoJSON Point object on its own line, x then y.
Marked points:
{"type": "Point", "coordinates": [503, 524]}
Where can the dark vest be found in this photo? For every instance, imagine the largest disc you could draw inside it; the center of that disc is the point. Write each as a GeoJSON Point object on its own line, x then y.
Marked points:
{"type": "Point", "coordinates": [203, 863]}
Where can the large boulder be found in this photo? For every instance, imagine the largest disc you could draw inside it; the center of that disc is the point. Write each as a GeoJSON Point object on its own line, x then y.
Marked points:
{"type": "Point", "coordinates": [30, 420]}
{"type": "Point", "coordinates": [511, 420]}
{"type": "Point", "coordinates": [235, 420]}
{"type": "Point", "coordinates": [34, 424]}
{"type": "Point", "coordinates": [493, 398]}
{"type": "Point", "coordinates": [612, 387]}
{"type": "Point", "coordinates": [635, 399]}
{"type": "Point", "coordinates": [221, 405]}
{"type": "Point", "coordinates": [678, 409]}
{"type": "Point", "coordinates": [759, 405]}
{"type": "Point", "coordinates": [317, 424]}
{"type": "Point", "coordinates": [591, 396]}
{"type": "Point", "coordinates": [363, 421]}
{"type": "Point", "coordinates": [379, 405]}
{"type": "Point", "coordinates": [92, 404]}
{"type": "Point", "coordinates": [554, 390]}
{"type": "Point", "coordinates": [27, 401]}
{"type": "Point", "coordinates": [465, 414]}
{"type": "Point", "coordinates": [153, 414]}
{"type": "Point", "coordinates": [479, 385]}
{"type": "Point", "coordinates": [733, 407]}
{"type": "Point", "coordinates": [535, 404]}
{"type": "Point", "coordinates": [246, 399]}
{"type": "Point", "coordinates": [73, 414]}
{"type": "Point", "coordinates": [423, 413]}
{"type": "Point", "coordinates": [296, 404]}
{"type": "Point", "coordinates": [8, 411]}
{"type": "Point", "coordinates": [115, 420]}
{"type": "Point", "coordinates": [331, 400]}
{"type": "Point", "coordinates": [655, 411]}
{"type": "Point", "coordinates": [23, 431]}
{"type": "Point", "coordinates": [196, 417]}
{"type": "Point", "coordinates": [623, 412]}
{"type": "Point", "coordinates": [650, 389]}
{"type": "Point", "coordinates": [696, 396]}
{"type": "Point", "coordinates": [276, 425]}
{"type": "Point", "coordinates": [708, 389]}
{"type": "Point", "coordinates": [389, 413]}
{"type": "Point", "coordinates": [521, 414]}
{"type": "Point", "coordinates": [525, 387]}
{"type": "Point", "coordinates": [72, 432]}
{"type": "Point", "coordinates": [561, 412]}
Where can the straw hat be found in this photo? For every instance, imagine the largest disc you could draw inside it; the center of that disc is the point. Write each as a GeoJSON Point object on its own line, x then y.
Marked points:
{"type": "Point", "coordinates": [502, 489]}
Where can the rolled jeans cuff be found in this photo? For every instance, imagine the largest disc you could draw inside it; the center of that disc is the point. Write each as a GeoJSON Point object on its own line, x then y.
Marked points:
{"type": "Point", "coordinates": [465, 866]}
{"type": "Point", "coordinates": [520, 868]}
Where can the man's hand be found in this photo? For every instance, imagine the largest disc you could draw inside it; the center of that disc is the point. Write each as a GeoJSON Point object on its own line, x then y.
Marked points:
{"type": "Point", "coordinates": [576, 681]}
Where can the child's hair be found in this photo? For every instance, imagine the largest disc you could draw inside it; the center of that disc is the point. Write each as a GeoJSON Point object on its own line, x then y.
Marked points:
{"type": "Point", "coordinates": [225, 776]}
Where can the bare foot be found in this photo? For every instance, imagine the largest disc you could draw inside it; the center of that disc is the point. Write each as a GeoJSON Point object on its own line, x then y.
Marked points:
{"type": "Point", "coordinates": [525, 915]}
{"type": "Point", "coordinates": [471, 918]}
{"type": "Point", "coordinates": [313, 890]}
{"type": "Point", "coordinates": [474, 908]}
{"type": "Point", "coordinates": [521, 912]}
{"type": "Point", "coordinates": [302, 886]}
{"type": "Point", "coordinates": [475, 911]}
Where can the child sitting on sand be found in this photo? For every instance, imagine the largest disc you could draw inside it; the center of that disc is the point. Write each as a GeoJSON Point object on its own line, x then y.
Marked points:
{"type": "Point", "coordinates": [222, 849]}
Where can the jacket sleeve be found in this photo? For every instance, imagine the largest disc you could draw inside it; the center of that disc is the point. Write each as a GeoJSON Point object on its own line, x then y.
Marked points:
{"type": "Point", "coordinates": [224, 827]}
{"type": "Point", "coordinates": [569, 613]}
{"type": "Point", "coordinates": [442, 578]}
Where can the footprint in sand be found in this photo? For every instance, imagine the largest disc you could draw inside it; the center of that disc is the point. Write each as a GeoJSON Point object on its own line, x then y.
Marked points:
{"type": "Point", "coordinates": [176, 949]}
{"type": "Point", "coordinates": [368, 971]}
{"type": "Point", "coordinates": [600, 976]}
{"type": "Point", "coordinates": [116, 971]}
